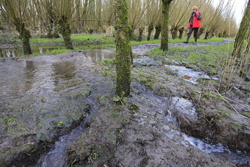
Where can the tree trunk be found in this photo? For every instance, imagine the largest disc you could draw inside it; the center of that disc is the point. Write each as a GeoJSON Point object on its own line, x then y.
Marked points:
{"type": "Point", "coordinates": [140, 33]}
{"type": "Point", "coordinates": [174, 33]}
{"type": "Point", "coordinates": [84, 14]}
{"type": "Point", "coordinates": [200, 32]}
{"type": "Point", "coordinates": [157, 31]}
{"type": "Point", "coordinates": [131, 33]}
{"type": "Point", "coordinates": [207, 34]}
{"type": "Point", "coordinates": [239, 40]}
{"type": "Point", "coordinates": [247, 49]}
{"type": "Point", "coordinates": [66, 32]}
{"type": "Point", "coordinates": [123, 49]}
{"type": "Point", "coordinates": [150, 29]}
{"type": "Point", "coordinates": [181, 30]}
{"type": "Point", "coordinates": [25, 37]}
{"type": "Point", "coordinates": [78, 19]}
{"type": "Point", "coordinates": [164, 31]}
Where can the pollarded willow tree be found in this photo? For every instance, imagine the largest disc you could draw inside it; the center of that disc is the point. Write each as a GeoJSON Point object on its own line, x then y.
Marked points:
{"type": "Point", "coordinates": [16, 11]}
{"type": "Point", "coordinates": [63, 12]}
{"type": "Point", "coordinates": [165, 28]}
{"type": "Point", "coordinates": [244, 26]}
{"type": "Point", "coordinates": [123, 49]}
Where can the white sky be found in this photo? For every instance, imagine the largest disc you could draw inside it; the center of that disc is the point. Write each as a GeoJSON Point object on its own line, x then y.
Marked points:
{"type": "Point", "coordinates": [239, 6]}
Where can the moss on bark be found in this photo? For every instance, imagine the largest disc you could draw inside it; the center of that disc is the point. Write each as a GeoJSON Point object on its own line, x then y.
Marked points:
{"type": "Point", "coordinates": [140, 33]}
{"type": "Point", "coordinates": [157, 31]}
{"type": "Point", "coordinates": [247, 49]}
{"type": "Point", "coordinates": [165, 29]}
{"type": "Point", "coordinates": [25, 37]}
{"type": "Point", "coordinates": [150, 29]}
{"type": "Point", "coordinates": [245, 24]}
{"type": "Point", "coordinates": [200, 32]}
{"type": "Point", "coordinates": [123, 49]}
{"type": "Point", "coordinates": [181, 30]}
{"type": "Point", "coordinates": [65, 31]}
{"type": "Point", "coordinates": [174, 32]}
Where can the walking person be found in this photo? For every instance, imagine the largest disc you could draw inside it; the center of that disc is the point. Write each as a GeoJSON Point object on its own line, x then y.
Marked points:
{"type": "Point", "coordinates": [194, 24]}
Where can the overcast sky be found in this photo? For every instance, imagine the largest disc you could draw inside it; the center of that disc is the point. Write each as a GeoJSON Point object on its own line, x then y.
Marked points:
{"type": "Point", "coordinates": [238, 8]}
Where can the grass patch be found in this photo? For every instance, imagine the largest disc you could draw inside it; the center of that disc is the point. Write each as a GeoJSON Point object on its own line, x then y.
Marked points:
{"type": "Point", "coordinates": [210, 59]}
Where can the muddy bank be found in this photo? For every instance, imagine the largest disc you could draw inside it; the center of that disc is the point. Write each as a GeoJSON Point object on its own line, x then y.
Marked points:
{"type": "Point", "coordinates": [42, 94]}
{"type": "Point", "coordinates": [136, 135]}
{"type": "Point", "coordinates": [39, 102]}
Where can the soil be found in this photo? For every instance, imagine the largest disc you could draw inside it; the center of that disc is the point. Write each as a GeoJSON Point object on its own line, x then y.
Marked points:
{"type": "Point", "coordinates": [137, 132]}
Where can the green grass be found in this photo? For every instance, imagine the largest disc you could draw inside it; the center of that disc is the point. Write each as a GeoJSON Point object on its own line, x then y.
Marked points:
{"type": "Point", "coordinates": [206, 58]}
{"type": "Point", "coordinates": [86, 39]}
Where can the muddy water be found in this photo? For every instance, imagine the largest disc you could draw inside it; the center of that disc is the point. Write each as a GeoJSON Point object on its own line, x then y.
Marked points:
{"type": "Point", "coordinates": [49, 79]}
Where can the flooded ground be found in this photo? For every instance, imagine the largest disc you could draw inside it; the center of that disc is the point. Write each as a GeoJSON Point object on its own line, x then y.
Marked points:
{"type": "Point", "coordinates": [60, 98]}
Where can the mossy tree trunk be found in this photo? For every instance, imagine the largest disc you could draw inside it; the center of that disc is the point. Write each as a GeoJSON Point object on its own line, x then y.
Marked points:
{"type": "Point", "coordinates": [165, 29]}
{"type": "Point", "coordinates": [131, 33]}
{"type": "Point", "coordinates": [157, 31]}
{"type": "Point", "coordinates": [181, 31]}
{"type": "Point", "coordinates": [239, 40]}
{"type": "Point", "coordinates": [123, 49]}
{"type": "Point", "coordinates": [25, 37]}
{"type": "Point", "coordinates": [200, 32]}
{"type": "Point", "coordinates": [140, 33]}
{"type": "Point", "coordinates": [247, 49]}
{"type": "Point", "coordinates": [65, 31]}
{"type": "Point", "coordinates": [207, 35]}
{"type": "Point", "coordinates": [174, 32]}
{"type": "Point", "coordinates": [150, 29]}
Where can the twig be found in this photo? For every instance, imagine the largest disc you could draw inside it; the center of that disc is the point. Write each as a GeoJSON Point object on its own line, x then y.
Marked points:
{"type": "Point", "coordinates": [229, 104]}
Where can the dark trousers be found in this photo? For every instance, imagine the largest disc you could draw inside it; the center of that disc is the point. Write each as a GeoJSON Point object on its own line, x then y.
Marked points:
{"type": "Point", "coordinates": [195, 33]}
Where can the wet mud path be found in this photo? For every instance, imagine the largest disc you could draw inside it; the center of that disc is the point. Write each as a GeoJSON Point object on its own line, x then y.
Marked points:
{"type": "Point", "coordinates": [45, 97]}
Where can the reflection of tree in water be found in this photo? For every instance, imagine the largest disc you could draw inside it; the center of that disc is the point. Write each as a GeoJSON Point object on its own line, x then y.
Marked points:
{"type": "Point", "coordinates": [99, 55]}
{"type": "Point", "coordinates": [64, 70]}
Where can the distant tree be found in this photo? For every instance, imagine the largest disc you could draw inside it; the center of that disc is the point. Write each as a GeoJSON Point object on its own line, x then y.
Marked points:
{"type": "Point", "coordinates": [16, 11]}
{"type": "Point", "coordinates": [62, 11]}
{"type": "Point", "coordinates": [165, 20]}
{"type": "Point", "coordinates": [123, 49]}
{"type": "Point", "coordinates": [244, 26]}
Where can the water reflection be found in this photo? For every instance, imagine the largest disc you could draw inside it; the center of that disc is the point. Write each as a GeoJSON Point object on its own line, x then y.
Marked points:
{"type": "Point", "coordinates": [98, 55]}
{"type": "Point", "coordinates": [8, 52]}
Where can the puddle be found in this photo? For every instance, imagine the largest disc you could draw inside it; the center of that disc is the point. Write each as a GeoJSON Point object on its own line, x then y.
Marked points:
{"type": "Point", "coordinates": [56, 156]}
{"type": "Point", "coordinates": [188, 74]}
{"type": "Point", "coordinates": [218, 150]}
{"type": "Point", "coordinates": [206, 145]}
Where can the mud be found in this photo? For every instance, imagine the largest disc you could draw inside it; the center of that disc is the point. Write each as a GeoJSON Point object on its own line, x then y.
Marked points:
{"type": "Point", "coordinates": [143, 49]}
{"type": "Point", "coordinates": [45, 97]}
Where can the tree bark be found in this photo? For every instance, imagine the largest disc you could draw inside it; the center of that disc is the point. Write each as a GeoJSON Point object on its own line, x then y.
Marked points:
{"type": "Point", "coordinates": [174, 33]}
{"type": "Point", "coordinates": [200, 32]}
{"type": "Point", "coordinates": [247, 49]}
{"type": "Point", "coordinates": [157, 31]}
{"type": "Point", "coordinates": [165, 29]}
{"type": "Point", "coordinates": [65, 31]}
{"type": "Point", "coordinates": [140, 33]}
{"type": "Point", "coordinates": [181, 30]}
{"type": "Point", "coordinates": [207, 34]}
{"type": "Point", "coordinates": [239, 40]}
{"type": "Point", "coordinates": [123, 49]}
{"type": "Point", "coordinates": [150, 29]}
{"type": "Point", "coordinates": [25, 37]}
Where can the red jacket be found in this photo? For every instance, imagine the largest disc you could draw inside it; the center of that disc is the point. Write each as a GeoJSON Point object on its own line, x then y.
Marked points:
{"type": "Point", "coordinates": [196, 21]}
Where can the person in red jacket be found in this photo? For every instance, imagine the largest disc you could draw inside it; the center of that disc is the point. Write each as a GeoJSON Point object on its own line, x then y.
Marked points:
{"type": "Point", "coordinates": [194, 24]}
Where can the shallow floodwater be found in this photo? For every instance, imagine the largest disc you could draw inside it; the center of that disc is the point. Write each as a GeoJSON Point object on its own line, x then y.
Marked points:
{"type": "Point", "coordinates": [50, 80]}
